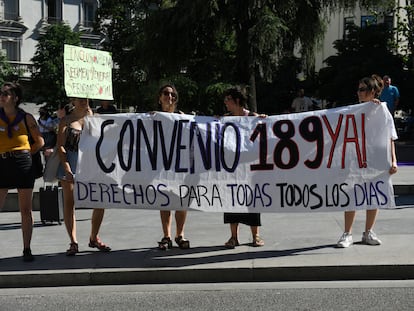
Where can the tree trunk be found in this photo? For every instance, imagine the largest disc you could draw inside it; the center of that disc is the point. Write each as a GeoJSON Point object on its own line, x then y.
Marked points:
{"type": "Point", "coordinates": [252, 92]}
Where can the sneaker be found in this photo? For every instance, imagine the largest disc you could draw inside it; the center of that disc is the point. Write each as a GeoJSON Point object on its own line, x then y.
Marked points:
{"type": "Point", "coordinates": [370, 238]}
{"type": "Point", "coordinates": [27, 255]}
{"type": "Point", "coordinates": [345, 240]}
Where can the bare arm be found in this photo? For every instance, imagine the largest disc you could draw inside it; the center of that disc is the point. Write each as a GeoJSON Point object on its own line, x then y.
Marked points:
{"type": "Point", "coordinates": [61, 139]}
{"type": "Point", "coordinates": [33, 127]}
{"type": "Point", "coordinates": [394, 166]}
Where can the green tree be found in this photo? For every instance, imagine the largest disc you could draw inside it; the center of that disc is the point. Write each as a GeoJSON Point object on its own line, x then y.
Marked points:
{"type": "Point", "coordinates": [7, 73]}
{"type": "Point", "coordinates": [48, 78]}
{"type": "Point", "coordinates": [365, 51]}
{"type": "Point", "coordinates": [210, 41]}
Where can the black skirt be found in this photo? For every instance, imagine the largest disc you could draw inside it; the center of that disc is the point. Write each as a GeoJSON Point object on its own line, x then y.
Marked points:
{"type": "Point", "coordinates": [249, 219]}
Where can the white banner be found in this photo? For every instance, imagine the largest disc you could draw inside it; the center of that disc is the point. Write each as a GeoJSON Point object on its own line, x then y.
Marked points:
{"type": "Point", "coordinates": [327, 160]}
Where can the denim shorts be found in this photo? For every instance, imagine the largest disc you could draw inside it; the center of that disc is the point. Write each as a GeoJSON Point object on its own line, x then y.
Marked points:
{"type": "Point", "coordinates": [16, 172]}
{"type": "Point", "coordinates": [72, 158]}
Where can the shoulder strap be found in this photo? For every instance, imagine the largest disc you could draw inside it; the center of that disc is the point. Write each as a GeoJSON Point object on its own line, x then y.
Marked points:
{"type": "Point", "coordinates": [27, 129]}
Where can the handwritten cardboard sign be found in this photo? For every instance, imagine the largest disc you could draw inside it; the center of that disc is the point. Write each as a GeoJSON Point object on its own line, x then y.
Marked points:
{"type": "Point", "coordinates": [88, 73]}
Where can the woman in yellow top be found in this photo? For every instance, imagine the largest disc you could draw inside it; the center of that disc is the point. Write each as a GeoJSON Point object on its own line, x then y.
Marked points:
{"type": "Point", "coordinates": [15, 157]}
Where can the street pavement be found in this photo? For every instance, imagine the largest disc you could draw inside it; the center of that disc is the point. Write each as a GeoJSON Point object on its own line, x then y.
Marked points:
{"type": "Point", "coordinates": [298, 247]}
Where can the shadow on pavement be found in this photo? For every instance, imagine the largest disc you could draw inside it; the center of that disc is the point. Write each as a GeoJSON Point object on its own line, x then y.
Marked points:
{"type": "Point", "coordinates": [146, 258]}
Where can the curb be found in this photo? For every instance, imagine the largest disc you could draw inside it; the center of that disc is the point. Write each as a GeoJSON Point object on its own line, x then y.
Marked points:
{"type": "Point", "coordinates": [219, 275]}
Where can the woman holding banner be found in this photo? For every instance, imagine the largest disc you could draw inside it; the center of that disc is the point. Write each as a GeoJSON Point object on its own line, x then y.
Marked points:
{"type": "Point", "coordinates": [70, 129]}
{"type": "Point", "coordinates": [369, 89]}
{"type": "Point", "coordinates": [235, 101]}
{"type": "Point", "coordinates": [167, 100]}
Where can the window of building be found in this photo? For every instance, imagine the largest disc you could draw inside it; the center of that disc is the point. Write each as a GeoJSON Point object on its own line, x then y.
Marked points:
{"type": "Point", "coordinates": [11, 49]}
{"type": "Point", "coordinates": [367, 20]}
{"type": "Point", "coordinates": [10, 9]}
{"type": "Point", "coordinates": [348, 22]}
{"type": "Point", "coordinates": [389, 22]}
{"type": "Point", "coordinates": [89, 10]}
{"type": "Point", "coordinates": [54, 11]}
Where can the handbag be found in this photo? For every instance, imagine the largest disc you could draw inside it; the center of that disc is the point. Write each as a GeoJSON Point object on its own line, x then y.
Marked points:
{"type": "Point", "coordinates": [51, 167]}
{"type": "Point", "coordinates": [37, 165]}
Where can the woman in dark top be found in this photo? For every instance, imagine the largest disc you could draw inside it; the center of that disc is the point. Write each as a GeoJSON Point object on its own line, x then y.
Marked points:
{"type": "Point", "coordinates": [236, 101]}
{"type": "Point", "coordinates": [70, 130]}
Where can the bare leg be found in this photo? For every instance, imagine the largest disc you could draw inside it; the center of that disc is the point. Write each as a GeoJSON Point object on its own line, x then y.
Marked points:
{"type": "Point", "coordinates": [69, 210]}
{"type": "Point", "coordinates": [257, 240]}
{"type": "Point", "coordinates": [3, 195]}
{"type": "Point", "coordinates": [25, 206]}
{"type": "Point", "coordinates": [94, 240]}
{"type": "Point", "coordinates": [180, 217]}
{"type": "Point", "coordinates": [166, 223]}
{"type": "Point", "coordinates": [234, 240]}
{"type": "Point", "coordinates": [234, 229]}
{"type": "Point", "coordinates": [349, 220]}
{"type": "Point", "coordinates": [371, 217]}
{"type": "Point", "coordinates": [97, 217]}
{"type": "Point", "coordinates": [255, 231]}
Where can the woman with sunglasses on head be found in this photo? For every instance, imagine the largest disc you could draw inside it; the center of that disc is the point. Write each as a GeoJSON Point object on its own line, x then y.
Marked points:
{"type": "Point", "coordinates": [235, 101]}
{"type": "Point", "coordinates": [15, 157]}
{"type": "Point", "coordinates": [167, 100]}
{"type": "Point", "coordinates": [369, 89]}
{"type": "Point", "coordinates": [69, 132]}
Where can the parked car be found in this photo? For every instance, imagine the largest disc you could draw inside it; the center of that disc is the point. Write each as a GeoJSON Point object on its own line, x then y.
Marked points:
{"type": "Point", "coordinates": [404, 124]}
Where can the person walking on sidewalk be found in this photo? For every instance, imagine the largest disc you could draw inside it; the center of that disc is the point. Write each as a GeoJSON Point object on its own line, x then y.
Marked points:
{"type": "Point", "coordinates": [235, 101]}
{"type": "Point", "coordinates": [168, 100]}
{"type": "Point", "coordinates": [368, 91]}
{"type": "Point", "coordinates": [70, 129]}
{"type": "Point", "coordinates": [15, 157]}
{"type": "Point", "coordinates": [390, 94]}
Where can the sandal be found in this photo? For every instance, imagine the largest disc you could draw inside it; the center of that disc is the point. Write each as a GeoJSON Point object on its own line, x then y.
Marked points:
{"type": "Point", "coordinates": [73, 249]}
{"type": "Point", "coordinates": [257, 241]}
{"type": "Point", "coordinates": [232, 243]}
{"type": "Point", "coordinates": [165, 243]}
{"type": "Point", "coordinates": [182, 243]}
{"type": "Point", "coordinates": [99, 245]}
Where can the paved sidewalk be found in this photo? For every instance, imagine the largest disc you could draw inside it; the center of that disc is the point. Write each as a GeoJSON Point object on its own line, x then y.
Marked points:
{"type": "Point", "coordinates": [299, 246]}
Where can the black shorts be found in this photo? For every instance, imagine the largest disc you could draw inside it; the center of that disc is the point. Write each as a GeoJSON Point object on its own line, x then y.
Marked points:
{"type": "Point", "coordinates": [16, 171]}
{"type": "Point", "coordinates": [250, 219]}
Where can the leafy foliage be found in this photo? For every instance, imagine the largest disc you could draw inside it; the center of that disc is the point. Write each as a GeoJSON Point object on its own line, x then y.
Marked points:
{"type": "Point", "coordinates": [365, 51]}
{"type": "Point", "coordinates": [48, 84]}
{"type": "Point", "coordinates": [7, 73]}
{"type": "Point", "coordinates": [207, 44]}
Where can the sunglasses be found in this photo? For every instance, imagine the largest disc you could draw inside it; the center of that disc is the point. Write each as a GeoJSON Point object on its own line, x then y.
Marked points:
{"type": "Point", "coordinates": [362, 89]}
{"type": "Point", "coordinates": [166, 93]}
{"type": "Point", "coordinates": [5, 93]}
